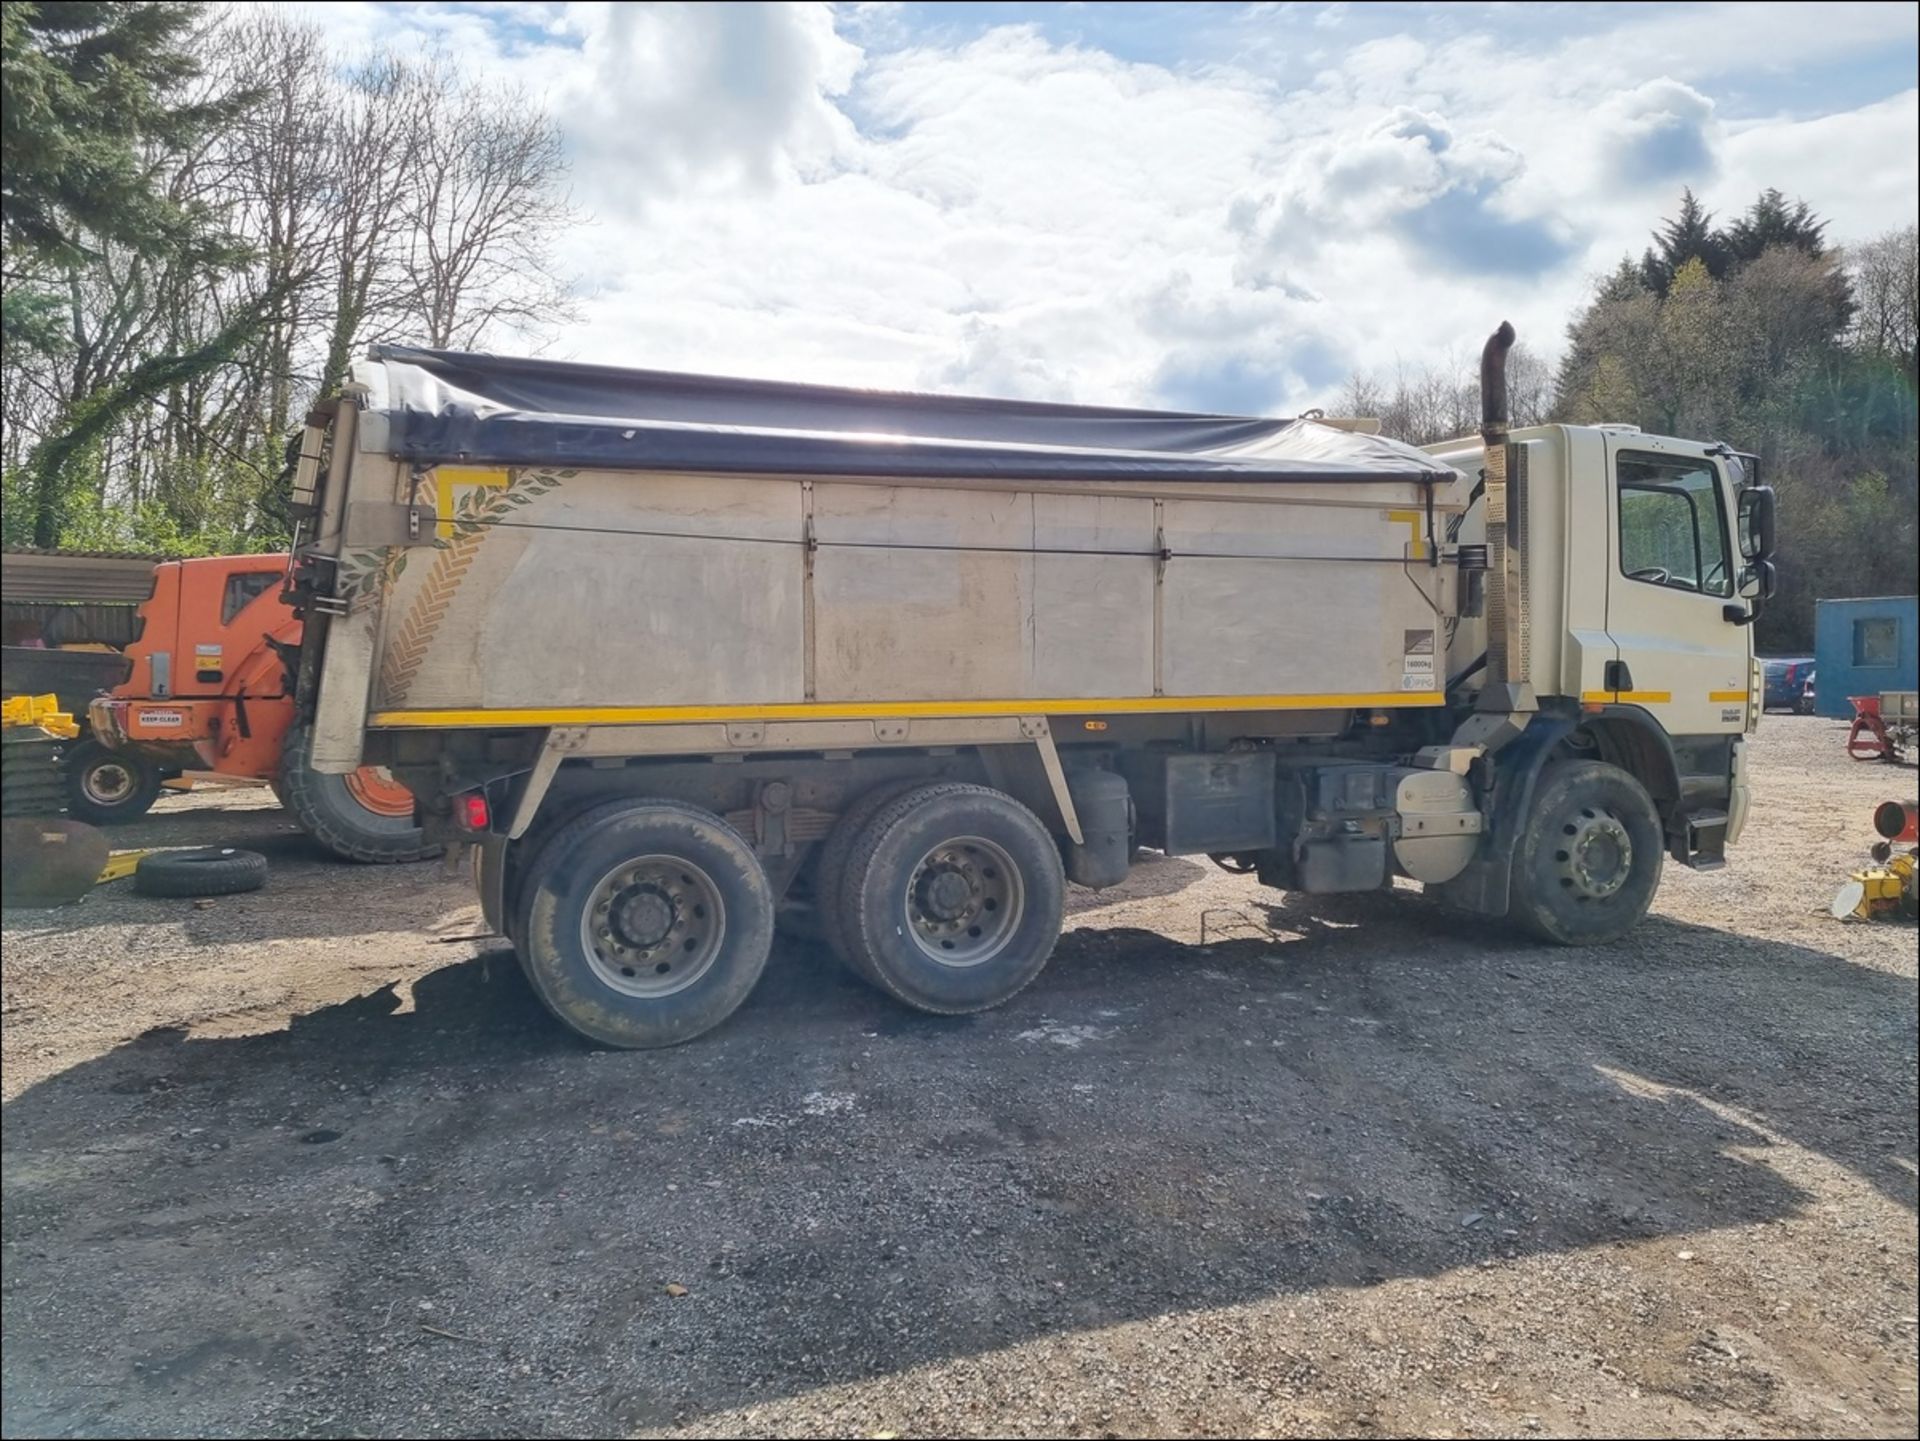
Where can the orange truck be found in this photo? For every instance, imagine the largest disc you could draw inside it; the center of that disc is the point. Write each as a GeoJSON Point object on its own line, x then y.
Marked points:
{"type": "Point", "coordinates": [211, 688]}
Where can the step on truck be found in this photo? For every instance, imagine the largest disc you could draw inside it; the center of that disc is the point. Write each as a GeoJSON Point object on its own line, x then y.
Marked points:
{"type": "Point", "coordinates": [679, 655]}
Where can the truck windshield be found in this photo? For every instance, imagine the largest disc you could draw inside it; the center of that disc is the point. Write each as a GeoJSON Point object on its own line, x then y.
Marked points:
{"type": "Point", "coordinates": [1672, 532]}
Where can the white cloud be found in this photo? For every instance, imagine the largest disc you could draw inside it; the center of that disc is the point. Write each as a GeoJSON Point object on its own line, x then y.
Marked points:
{"type": "Point", "coordinates": [708, 98]}
{"type": "Point", "coordinates": [832, 194]}
{"type": "Point", "coordinates": [1658, 133]}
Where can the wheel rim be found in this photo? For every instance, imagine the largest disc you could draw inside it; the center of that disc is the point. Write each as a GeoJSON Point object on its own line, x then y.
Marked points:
{"type": "Point", "coordinates": [964, 901]}
{"type": "Point", "coordinates": [109, 783]}
{"type": "Point", "coordinates": [1595, 854]}
{"type": "Point", "coordinates": [653, 926]}
{"type": "Point", "coordinates": [374, 789]}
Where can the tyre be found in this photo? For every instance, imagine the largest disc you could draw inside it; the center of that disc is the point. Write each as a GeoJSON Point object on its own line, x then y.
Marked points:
{"type": "Point", "coordinates": [1589, 860]}
{"type": "Point", "coordinates": [832, 905]}
{"type": "Point", "coordinates": [645, 924]}
{"type": "Point", "coordinates": [109, 787]}
{"type": "Point", "coordinates": [366, 816]}
{"type": "Point", "coordinates": [211, 872]}
{"type": "Point", "coordinates": [955, 897]}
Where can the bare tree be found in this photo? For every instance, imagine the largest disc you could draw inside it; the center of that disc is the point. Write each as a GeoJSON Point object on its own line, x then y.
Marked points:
{"type": "Point", "coordinates": [483, 213]}
{"type": "Point", "coordinates": [398, 200]}
{"type": "Point", "coordinates": [1441, 402]}
{"type": "Point", "coordinates": [1886, 289]}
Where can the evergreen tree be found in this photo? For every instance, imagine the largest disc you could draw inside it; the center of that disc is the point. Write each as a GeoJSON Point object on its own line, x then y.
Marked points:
{"type": "Point", "coordinates": [1688, 236]}
{"type": "Point", "coordinates": [83, 88]}
{"type": "Point", "coordinates": [1770, 221]}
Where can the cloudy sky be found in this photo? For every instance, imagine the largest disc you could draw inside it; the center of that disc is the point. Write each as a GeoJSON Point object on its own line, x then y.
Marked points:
{"type": "Point", "coordinates": [1193, 205]}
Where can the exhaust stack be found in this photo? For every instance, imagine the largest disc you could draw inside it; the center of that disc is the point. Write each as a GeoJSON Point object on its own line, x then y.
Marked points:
{"type": "Point", "coordinates": [1505, 646]}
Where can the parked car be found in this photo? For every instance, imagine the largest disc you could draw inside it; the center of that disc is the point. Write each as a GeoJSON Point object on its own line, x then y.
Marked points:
{"type": "Point", "coordinates": [1786, 678]}
{"type": "Point", "coordinates": [1807, 693]}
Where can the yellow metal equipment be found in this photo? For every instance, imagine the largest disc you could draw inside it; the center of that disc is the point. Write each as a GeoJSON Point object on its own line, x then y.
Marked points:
{"type": "Point", "coordinates": [38, 710]}
{"type": "Point", "coordinates": [120, 865]}
{"type": "Point", "coordinates": [1881, 890]}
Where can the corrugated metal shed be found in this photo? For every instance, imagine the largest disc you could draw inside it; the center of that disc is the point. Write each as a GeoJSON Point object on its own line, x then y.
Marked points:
{"type": "Point", "coordinates": [1863, 646]}
{"type": "Point", "coordinates": [28, 576]}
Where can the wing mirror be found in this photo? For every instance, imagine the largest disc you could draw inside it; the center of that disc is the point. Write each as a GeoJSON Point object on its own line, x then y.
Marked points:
{"type": "Point", "coordinates": [1757, 524]}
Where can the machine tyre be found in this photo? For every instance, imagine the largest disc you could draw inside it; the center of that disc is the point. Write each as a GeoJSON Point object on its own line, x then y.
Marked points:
{"type": "Point", "coordinates": [328, 807]}
{"type": "Point", "coordinates": [1589, 861]}
{"type": "Point", "coordinates": [955, 894]}
{"type": "Point", "coordinates": [644, 924]}
{"type": "Point", "coordinates": [109, 787]}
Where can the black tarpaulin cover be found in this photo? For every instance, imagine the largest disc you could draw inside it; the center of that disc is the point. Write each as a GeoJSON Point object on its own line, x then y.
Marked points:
{"type": "Point", "coordinates": [441, 406]}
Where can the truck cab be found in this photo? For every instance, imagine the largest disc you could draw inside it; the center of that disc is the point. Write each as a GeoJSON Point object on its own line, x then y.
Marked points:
{"type": "Point", "coordinates": [1639, 563]}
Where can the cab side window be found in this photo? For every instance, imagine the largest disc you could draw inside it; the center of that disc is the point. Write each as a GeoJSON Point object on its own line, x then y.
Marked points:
{"type": "Point", "coordinates": [1672, 529]}
{"type": "Point", "coordinates": [245, 588]}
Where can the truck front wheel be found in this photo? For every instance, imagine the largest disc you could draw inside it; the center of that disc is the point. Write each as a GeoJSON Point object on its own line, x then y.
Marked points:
{"type": "Point", "coordinates": [645, 925]}
{"type": "Point", "coordinates": [1589, 861]}
{"type": "Point", "coordinates": [107, 786]}
{"type": "Point", "coordinates": [365, 816]}
{"type": "Point", "coordinates": [953, 897]}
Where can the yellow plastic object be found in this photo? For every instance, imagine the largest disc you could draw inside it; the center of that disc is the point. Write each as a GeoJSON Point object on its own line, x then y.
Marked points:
{"type": "Point", "coordinates": [1875, 891]}
{"type": "Point", "coordinates": [120, 865]}
{"type": "Point", "coordinates": [39, 710]}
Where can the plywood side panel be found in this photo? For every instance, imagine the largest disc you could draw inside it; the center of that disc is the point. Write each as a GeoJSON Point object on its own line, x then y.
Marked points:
{"type": "Point", "coordinates": [1287, 627]}
{"type": "Point", "coordinates": [899, 515]}
{"type": "Point", "coordinates": [1093, 626]}
{"type": "Point", "coordinates": [1225, 528]}
{"type": "Point", "coordinates": [557, 619]}
{"type": "Point", "coordinates": [911, 624]}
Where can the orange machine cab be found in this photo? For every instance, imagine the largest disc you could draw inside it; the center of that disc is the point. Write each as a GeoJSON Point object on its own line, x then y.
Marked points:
{"type": "Point", "coordinates": [211, 688]}
{"type": "Point", "coordinates": [208, 690]}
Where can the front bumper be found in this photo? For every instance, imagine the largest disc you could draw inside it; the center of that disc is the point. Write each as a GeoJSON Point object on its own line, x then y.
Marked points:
{"type": "Point", "coordinates": [174, 732]}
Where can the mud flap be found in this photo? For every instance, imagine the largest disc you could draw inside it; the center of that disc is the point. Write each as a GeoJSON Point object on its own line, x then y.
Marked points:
{"type": "Point", "coordinates": [1486, 885]}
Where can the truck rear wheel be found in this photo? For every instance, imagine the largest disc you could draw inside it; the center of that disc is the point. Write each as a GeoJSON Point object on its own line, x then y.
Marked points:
{"type": "Point", "coordinates": [1589, 861]}
{"type": "Point", "coordinates": [108, 787]}
{"type": "Point", "coordinates": [954, 895]}
{"type": "Point", "coordinates": [645, 925]}
{"type": "Point", "coordinates": [366, 816]}
{"type": "Point", "coordinates": [832, 904]}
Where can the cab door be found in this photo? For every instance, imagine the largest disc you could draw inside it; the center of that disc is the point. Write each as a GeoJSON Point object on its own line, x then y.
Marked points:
{"type": "Point", "coordinates": [1672, 604]}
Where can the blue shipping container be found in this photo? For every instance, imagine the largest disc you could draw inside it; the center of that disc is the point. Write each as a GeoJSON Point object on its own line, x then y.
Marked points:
{"type": "Point", "coordinates": [1863, 647]}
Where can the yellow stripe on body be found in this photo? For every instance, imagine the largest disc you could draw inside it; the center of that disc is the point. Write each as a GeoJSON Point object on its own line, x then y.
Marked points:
{"type": "Point", "coordinates": [1417, 547]}
{"type": "Point", "coordinates": [1631, 697]}
{"type": "Point", "coordinates": [880, 710]}
{"type": "Point", "coordinates": [1727, 697]}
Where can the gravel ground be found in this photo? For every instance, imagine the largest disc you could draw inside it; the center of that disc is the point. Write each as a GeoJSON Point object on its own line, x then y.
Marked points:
{"type": "Point", "coordinates": [312, 1161]}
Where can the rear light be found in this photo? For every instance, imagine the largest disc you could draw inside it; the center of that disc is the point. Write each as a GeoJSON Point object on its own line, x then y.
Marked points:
{"type": "Point", "coordinates": [474, 814]}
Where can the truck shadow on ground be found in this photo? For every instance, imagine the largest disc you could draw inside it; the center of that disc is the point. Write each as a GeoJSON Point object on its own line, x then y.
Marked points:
{"type": "Point", "coordinates": [848, 1189]}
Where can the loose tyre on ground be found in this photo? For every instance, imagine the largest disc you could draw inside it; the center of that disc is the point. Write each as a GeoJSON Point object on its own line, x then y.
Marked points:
{"type": "Point", "coordinates": [210, 872]}
{"type": "Point", "coordinates": [366, 816]}
{"type": "Point", "coordinates": [956, 893]}
{"type": "Point", "coordinates": [1589, 861]}
{"type": "Point", "coordinates": [645, 924]}
{"type": "Point", "coordinates": [107, 786]}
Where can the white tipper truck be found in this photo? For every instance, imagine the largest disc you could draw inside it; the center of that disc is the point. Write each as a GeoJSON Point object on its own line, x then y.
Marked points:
{"type": "Point", "coordinates": [681, 655]}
